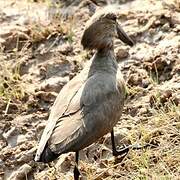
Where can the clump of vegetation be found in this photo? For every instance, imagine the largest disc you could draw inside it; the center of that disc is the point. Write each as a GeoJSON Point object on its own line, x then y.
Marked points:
{"type": "Point", "coordinates": [161, 132]}
{"type": "Point", "coordinates": [151, 114]}
{"type": "Point", "coordinates": [10, 80]}
{"type": "Point", "coordinates": [57, 29]}
{"type": "Point", "coordinates": [39, 32]}
{"type": "Point", "coordinates": [131, 91]}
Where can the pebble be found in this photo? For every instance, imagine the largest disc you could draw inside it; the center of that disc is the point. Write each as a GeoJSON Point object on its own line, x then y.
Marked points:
{"type": "Point", "coordinates": [46, 96]}
{"type": "Point", "coordinates": [54, 84]}
{"type": "Point", "coordinates": [21, 173]}
{"type": "Point", "coordinates": [121, 53]}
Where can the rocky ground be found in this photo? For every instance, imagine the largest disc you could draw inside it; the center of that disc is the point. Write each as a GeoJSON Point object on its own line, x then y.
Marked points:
{"type": "Point", "coordinates": [40, 52]}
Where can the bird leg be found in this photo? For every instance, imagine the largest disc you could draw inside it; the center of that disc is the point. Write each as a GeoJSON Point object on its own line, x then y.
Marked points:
{"type": "Point", "coordinates": [76, 171]}
{"type": "Point", "coordinates": [114, 150]}
{"type": "Point", "coordinates": [125, 149]}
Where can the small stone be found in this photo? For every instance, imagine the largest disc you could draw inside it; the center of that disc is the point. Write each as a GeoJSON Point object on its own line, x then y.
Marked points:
{"type": "Point", "coordinates": [21, 139]}
{"type": "Point", "coordinates": [65, 49]}
{"type": "Point", "coordinates": [134, 80]}
{"type": "Point", "coordinates": [9, 133]}
{"type": "Point", "coordinates": [177, 28]}
{"type": "Point", "coordinates": [27, 156]}
{"type": "Point", "coordinates": [43, 71]}
{"type": "Point", "coordinates": [142, 111]}
{"type": "Point", "coordinates": [167, 93]}
{"type": "Point", "coordinates": [65, 162]}
{"type": "Point", "coordinates": [145, 83]}
{"type": "Point", "coordinates": [121, 54]}
{"type": "Point", "coordinates": [165, 96]}
{"type": "Point", "coordinates": [46, 96]}
{"type": "Point", "coordinates": [54, 84]}
{"type": "Point", "coordinates": [21, 173]}
{"type": "Point", "coordinates": [165, 27]}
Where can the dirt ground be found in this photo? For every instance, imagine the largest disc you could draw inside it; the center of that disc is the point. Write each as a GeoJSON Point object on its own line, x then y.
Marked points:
{"type": "Point", "coordinates": [40, 52]}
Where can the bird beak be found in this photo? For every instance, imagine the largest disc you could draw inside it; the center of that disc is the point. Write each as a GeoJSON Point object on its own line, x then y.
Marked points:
{"type": "Point", "coordinates": [123, 36]}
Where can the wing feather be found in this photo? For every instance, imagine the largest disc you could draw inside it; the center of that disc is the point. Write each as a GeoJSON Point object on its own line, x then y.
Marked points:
{"type": "Point", "coordinates": [84, 104]}
{"type": "Point", "coordinates": [59, 108]}
{"type": "Point", "coordinates": [97, 102]}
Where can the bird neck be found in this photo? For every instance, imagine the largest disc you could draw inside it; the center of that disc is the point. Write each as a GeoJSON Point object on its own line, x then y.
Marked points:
{"type": "Point", "coordinates": [103, 61]}
{"type": "Point", "coordinates": [106, 52]}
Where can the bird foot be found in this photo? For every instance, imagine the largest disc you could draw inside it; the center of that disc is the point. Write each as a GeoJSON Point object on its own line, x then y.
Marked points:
{"type": "Point", "coordinates": [125, 149]}
{"type": "Point", "coordinates": [121, 151]}
{"type": "Point", "coordinates": [76, 173]}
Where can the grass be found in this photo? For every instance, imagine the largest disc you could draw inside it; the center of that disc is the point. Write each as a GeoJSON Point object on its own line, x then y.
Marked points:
{"type": "Point", "coordinates": [57, 28]}
{"type": "Point", "coordinates": [154, 76]}
{"type": "Point", "coordinates": [161, 161]}
{"type": "Point", "coordinates": [40, 32]}
{"type": "Point", "coordinates": [10, 80]}
{"type": "Point", "coordinates": [131, 91]}
{"type": "Point", "coordinates": [11, 84]}
{"type": "Point", "coordinates": [161, 130]}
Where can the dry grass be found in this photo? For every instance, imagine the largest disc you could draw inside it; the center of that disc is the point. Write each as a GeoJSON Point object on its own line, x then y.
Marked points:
{"type": "Point", "coordinates": [161, 159]}
{"type": "Point", "coordinates": [11, 86]}
{"type": "Point", "coordinates": [39, 32]}
{"type": "Point", "coordinates": [161, 129]}
{"type": "Point", "coordinates": [10, 80]}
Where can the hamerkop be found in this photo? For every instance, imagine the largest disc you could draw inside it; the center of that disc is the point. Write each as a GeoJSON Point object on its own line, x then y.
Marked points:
{"type": "Point", "coordinates": [90, 105]}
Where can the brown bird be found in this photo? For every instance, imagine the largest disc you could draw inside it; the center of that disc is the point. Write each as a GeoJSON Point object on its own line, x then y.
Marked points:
{"type": "Point", "coordinates": [90, 105]}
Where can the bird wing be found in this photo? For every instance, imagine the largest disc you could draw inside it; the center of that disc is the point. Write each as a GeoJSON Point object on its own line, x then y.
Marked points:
{"type": "Point", "coordinates": [68, 121]}
{"type": "Point", "coordinates": [88, 114]}
{"type": "Point", "coordinates": [60, 107]}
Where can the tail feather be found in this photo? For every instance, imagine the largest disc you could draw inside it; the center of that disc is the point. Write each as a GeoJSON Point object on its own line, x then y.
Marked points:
{"type": "Point", "coordinates": [47, 155]}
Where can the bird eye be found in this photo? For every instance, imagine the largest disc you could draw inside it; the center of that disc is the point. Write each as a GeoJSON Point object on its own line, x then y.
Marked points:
{"type": "Point", "coordinates": [114, 17]}
{"type": "Point", "coordinates": [111, 16]}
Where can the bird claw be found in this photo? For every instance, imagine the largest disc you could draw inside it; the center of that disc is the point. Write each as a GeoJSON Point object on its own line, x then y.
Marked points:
{"type": "Point", "coordinates": [123, 150]}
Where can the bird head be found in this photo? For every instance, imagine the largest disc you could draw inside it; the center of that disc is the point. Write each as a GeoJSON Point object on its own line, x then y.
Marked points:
{"type": "Point", "coordinates": [101, 30]}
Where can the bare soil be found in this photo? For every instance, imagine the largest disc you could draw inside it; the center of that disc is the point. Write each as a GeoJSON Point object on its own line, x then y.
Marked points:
{"type": "Point", "coordinates": [40, 52]}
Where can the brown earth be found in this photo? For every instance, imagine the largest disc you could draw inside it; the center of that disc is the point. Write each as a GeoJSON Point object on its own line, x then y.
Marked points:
{"type": "Point", "coordinates": [40, 52]}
